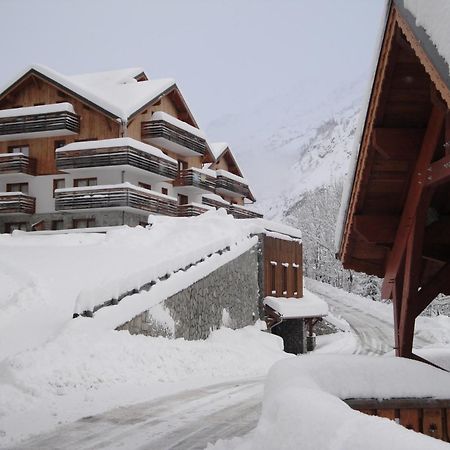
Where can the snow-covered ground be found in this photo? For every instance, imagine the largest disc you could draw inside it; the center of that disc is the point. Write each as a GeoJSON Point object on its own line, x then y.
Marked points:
{"type": "Point", "coordinates": [66, 377]}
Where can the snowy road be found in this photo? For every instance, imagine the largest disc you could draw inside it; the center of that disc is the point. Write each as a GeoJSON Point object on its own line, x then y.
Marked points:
{"type": "Point", "coordinates": [372, 328]}
{"type": "Point", "coordinates": [188, 420]}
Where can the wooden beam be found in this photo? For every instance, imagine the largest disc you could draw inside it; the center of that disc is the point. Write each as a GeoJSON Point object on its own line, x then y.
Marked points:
{"type": "Point", "coordinates": [397, 143]}
{"type": "Point", "coordinates": [376, 229]}
{"type": "Point", "coordinates": [439, 172]}
{"type": "Point", "coordinates": [424, 159]}
{"type": "Point", "coordinates": [435, 286]}
{"type": "Point", "coordinates": [447, 133]}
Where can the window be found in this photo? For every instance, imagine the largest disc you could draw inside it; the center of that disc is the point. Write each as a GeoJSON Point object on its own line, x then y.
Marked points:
{"type": "Point", "coordinates": [285, 278]}
{"type": "Point", "coordinates": [84, 182]}
{"type": "Point", "coordinates": [11, 226]}
{"type": "Point", "coordinates": [17, 187]}
{"type": "Point", "coordinates": [273, 277]}
{"type": "Point", "coordinates": [145, 186]}
{"type": "Point", "coordinates": [183, 199]}
{"type": "Point", "coordinates": [83, 223]}
{"type": "Point", "coordinates": [58, 183]}
{"type": "Point", "coordinates": [182, 165]}
{"type": "Point", "coordinates": [25, 149]}
{"type": "Point", "coordinates": [58, 224]}
{"type": "Point", "coordinates": [59, 144]}
{"type": "Point", "coordinates": [295, 276]}
{"type": "Point", "coordinates": [164, 191]}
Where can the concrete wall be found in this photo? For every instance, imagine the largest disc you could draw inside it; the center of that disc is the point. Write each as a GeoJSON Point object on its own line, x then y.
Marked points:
{"type": "Point", "coordinates": [229, 296]}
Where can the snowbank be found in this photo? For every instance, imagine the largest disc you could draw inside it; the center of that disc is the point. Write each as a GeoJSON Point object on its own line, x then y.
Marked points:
{"type": "Point", "coordinates": [302, 409]}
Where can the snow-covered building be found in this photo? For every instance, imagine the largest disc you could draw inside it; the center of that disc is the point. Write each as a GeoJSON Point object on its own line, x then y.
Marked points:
{"type": "Point", "coordinates": [395, 213]}
{"type": "Point", "coordinates": [104, 149]}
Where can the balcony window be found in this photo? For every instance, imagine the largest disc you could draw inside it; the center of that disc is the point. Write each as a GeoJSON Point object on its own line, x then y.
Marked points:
{"type": "Point", "coordinates": [145, 186]}
{"type": "Point", "coordinates": [164, 191]}
{"type": "Point", "coordinates": [58, 183]}
{"type": "Point", "coordinates": [84, 182]}
{"type": "Point", "coordinates": [183, 199]}
{"type": "Point", "coordinates": [25, 149]}
{"type": "Point", "coordinates": [17, 187]}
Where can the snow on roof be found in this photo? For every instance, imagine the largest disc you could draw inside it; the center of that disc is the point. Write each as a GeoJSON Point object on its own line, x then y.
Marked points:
{"type": "Point", "coordinates": [232, 176]}
{"type": "Point", "coordinates": [270, 225]}
{"type": "Point", "coordinates": [217, 148]}
{"type": "Point", "coordinates": [290, 308]}
{"type": "Point", "coordinates": [215, 197]}
{"type": "Point", "coordinates": [34, 110]}
{"type": "Point", "coordinates": [205, 171]}
{"type": "Point", "coordinates": [160, 115]}
{"type": "Point", "coordinates": [116, 92]}
{"type": "Point", "coordinates": [110, 76]}
{"type": "Point", "coordinates": [117, 142]}
{"type": "Point", "coordinates": [433, 16]}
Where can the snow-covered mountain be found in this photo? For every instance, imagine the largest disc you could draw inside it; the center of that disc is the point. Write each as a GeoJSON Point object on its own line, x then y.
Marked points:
{"type": "Point", "coordinates": [293, 142]}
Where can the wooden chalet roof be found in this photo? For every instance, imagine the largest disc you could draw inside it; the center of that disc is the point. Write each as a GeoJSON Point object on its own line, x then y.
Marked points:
{"type": "Point", "coordinates": [403, 148]}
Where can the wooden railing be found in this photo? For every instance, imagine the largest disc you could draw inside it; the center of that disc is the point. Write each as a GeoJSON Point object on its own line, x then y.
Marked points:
{"type": "Point", "coordinates": [17, 203]}
{"type": "Point", "coordinates": [154, 129]}
{"type": "Point", "coordinates": [215, 203]}
{"type": "Point", "coordinates": [17, 163]}
{"type": "Point", "coordinates": [242, 213]}
{"type": "Point", "coordinates": [223, 183]}
{"type": "Point", "coordinates": [424, 415]}
{"type": "Point", "coordinates": [37, 123]}
{"type": "Point", "coordinates": [114, 197]}
{"type": "Point", "coordinates": [194, 178]}
{"type": "Point", "coordinates": [115, 156]}
{"type": "Point", "coordinates": [190, 210]}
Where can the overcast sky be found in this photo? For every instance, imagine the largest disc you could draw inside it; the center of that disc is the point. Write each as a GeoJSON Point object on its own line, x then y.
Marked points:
{"type": "Point", "coordinates": [226, 56]}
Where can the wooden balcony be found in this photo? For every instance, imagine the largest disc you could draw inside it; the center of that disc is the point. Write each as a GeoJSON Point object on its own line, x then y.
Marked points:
{"type": "Point", "coordinates": [239, 212]}
{"type": "Point", "coordinates": [229, 186]}
{"type": "Point", "coordinates": [194, 178]}
{"type": "Point", "coordinates": [191, 209]}
{"type": "Point", "coordinates": [215, 203]}
{"type": "Point", "coordinates": [31, 126]}
{"type": "Point", "coordinates": [71, 160]}
{"type": "Point", "coordinates": [17, 163]}
{"type": "Point", "coordinates": [167, 135]}
{"type": "Point", "coordinates": [16, 203]}
{"type": "Point", "coordinates": [115, 196]}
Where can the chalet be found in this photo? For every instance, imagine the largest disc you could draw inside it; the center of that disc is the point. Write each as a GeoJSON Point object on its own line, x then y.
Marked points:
{"type": "Point", "coordinates": [395, 216]}
{"type": "Point", "coordinates": [104, 149]}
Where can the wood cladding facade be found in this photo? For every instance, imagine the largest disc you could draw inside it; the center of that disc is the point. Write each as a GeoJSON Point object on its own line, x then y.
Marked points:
{"type": "Point", "coordinates": [283, 267]}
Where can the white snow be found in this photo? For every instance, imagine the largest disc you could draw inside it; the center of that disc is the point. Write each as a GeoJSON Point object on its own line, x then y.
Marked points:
{"type": "Point", "coordinates": [36, 110]}
{"type": "Point", "coordinates": [303, 407]}
{"type": "Point", "coordinates": [276, 227]}
{"type": "Point", "coordinates": [217, 148]}
{"type": "Point", "coordinates": [216, 198]}
{"type": "Point", "coordinates": [204, 171]}
{"type": "Point", "coordinates": [434, 17]}
{"type": "Point", "coordinates": [117, 142]}
{"type": "Point", "coordinates": [308, 306]}
{"type": "Point", "coordinates": [107, 91]}
{"type": "Point", "coordinates": [231, 176]}
{"type": "Point", "coordinates": [160, 115]}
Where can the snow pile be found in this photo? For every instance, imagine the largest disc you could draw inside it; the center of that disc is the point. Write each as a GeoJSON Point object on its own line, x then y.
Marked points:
{"type": "Point", "coordinates": [85, 370]}
{"type": "Point", "coordinates": [308, 306]}
{"type": "Point", "coordinates": [434, 17]}
{"type": "Point", "coordinates": [302, 408]}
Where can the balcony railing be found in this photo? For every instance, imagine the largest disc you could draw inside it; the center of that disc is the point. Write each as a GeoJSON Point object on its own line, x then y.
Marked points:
{"type": "Point", "coordinates": [195, 179]}
{"type": "Point", "coordinates": [115, 156]}
{"type": "Point", "coordinates": [230, 186]}
{"type": "Point", "coordinates": [16, 203]}
{"type": "Point", "coordinates": [215, 203]}
{"type": "Point", "coordinates": [192, 209]}
{"type": "Point", "coordinates": [17, 163]}
{"type": "Point", "coordinates": [115, 196]}
{"type": "Point", "coordinates": [172, 137]}
{"type": "Point", "coordinates": [239, 212]}
{"type": "Point", "coordinates": [57, 123]}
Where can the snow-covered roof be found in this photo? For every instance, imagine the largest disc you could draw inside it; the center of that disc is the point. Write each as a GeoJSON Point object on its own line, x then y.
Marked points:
{"type": "Point", "coordinates": [231, 176]}
{"type": "Point", "coordinates": [160, 115]}
{"type": "Point", "coordinates": [34, 110]}
{"type": "Point", "coordinates": [117, 142]}
{"type": "Point", "coordinates": [116, 92]}
{"type": "Point", "coordinates": [217, 148]}
{"type": "Point", "coordinates": [295, 308]}
{"type": "Point", "coordinates": [270, 225]}
{"type": "Point", "coordinates": [216, 198]}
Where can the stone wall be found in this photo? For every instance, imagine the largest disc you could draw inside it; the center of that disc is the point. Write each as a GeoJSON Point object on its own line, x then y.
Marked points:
{"type": "Point", "coordinates": [228, 296]}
